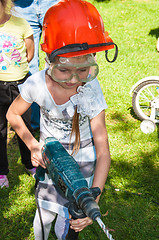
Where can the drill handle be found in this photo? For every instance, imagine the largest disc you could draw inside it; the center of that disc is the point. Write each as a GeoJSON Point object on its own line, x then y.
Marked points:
{"type": "Point", "coordinates": [40, 173]}
{"type": "Point", "coordinates": [75, 211]}
{"type": "Point", "coordinates": [95, 192]}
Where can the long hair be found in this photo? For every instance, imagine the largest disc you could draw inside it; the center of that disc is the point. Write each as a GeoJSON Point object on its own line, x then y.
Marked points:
{"type": "Point", "coordinates": [75, 121]}
{"type": "Point", "coordinates": [7, 4]}
{"type": "Point", "coordinates": [76, 132]}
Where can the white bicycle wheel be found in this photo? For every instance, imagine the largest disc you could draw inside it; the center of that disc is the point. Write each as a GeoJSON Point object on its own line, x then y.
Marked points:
{"type": "Point", "coordinates": [145, 100]}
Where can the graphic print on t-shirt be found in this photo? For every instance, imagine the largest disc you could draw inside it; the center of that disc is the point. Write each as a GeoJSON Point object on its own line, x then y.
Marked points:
{"type": "Point", "coordinates": [59, 126]}
{"type": "Point", "coordinates": [9, 55]}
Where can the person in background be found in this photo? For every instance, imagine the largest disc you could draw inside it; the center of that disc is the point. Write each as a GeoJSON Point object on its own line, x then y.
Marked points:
{"type": "Point", "coordinates": [72, 107]}
{"type": "Point", "coordinates": [16, 50]}
{"type": "Point", "coordinates": [34, 11]}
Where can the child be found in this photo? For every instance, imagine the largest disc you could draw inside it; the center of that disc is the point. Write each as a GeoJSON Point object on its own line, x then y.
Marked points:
{"type": "Point", "coordinates": [16, 50]}
{"type": "Point", "coordinates": [72, 106]}
{"type": "Point", "coordinates": [34, 11]}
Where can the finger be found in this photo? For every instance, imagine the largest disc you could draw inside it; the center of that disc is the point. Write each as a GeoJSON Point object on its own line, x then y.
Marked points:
{"type": "Point", "coordinates": [78, 229]}
{"type": "Point", "coordinates": [81, 222]}
{"type": "Point", "coordinates": [80, 225]}
{"type": "Point", "coordinates": [37, 160]}
{"type": "Point", "coordinates": [34, 163]}
{"type": "Point", "coordinates": [42, 164]}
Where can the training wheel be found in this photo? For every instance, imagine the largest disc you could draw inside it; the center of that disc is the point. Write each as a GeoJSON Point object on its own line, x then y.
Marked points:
{"type": "Point", "coordinates": [147, 126]}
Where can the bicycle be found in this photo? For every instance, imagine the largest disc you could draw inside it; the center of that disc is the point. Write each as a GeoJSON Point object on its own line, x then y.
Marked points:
{"type": "Point", "coordinates": [145, 102]}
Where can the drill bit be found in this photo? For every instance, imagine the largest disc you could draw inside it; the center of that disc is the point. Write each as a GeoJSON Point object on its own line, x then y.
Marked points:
{"type": "Point", "coordinates": [106, 231]}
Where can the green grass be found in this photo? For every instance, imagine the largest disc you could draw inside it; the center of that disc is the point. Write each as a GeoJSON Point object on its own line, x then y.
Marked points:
{"type": "Point", "coordinates": [133, 25]}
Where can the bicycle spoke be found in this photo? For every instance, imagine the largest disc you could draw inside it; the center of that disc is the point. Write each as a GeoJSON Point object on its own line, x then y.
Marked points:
{"type": "Point", "coordinates": [145, 98]}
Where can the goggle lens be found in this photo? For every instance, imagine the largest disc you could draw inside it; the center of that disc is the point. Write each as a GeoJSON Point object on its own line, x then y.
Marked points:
{"type": "Point", "coordinates": [64, 72]}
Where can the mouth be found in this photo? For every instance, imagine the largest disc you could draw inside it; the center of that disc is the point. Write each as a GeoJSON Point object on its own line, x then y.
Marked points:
{"type": "Point", "coordinates": [70, 84]}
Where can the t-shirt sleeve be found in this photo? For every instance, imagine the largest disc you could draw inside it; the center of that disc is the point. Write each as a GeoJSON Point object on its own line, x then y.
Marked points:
{"type": "Point", "coordinates": [27, 29]}
{"type": "Point", "coordinates": [99, 100]}
{"type": "Point", "coordinates": [28, 90]}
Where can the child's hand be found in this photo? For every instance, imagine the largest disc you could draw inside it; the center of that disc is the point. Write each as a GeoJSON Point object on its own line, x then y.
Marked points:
{"type": "Point", "coordinates": [36, 156]}
{"type": "Point", "coordinates": [79, 224]}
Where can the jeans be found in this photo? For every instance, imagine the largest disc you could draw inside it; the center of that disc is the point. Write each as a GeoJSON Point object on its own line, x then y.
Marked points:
{"type": "Point", "coordinates": [34, 11]}
{"type": "Point", "coordinates": [8, 92]}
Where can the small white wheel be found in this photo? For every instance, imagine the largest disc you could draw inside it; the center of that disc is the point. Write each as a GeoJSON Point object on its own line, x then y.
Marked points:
{"type": "Point", "coordinates": [147, 126]}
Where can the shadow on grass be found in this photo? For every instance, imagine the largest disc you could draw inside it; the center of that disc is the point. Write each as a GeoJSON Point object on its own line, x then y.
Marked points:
{"type": "Point", "coordinates": [15, 223]}
{"type": "Point", "coordinates": [134, 170]}
{"type": "Point", "coordinates": [133, 206]}
{"type": "Point", "coordinates": [154, 32]}
{"type": "Point", "coordinates": [16, 226]}
{"type": "Point", "coordinates": [133, 114]}
{"type": "Point", "coordinates": [17, 203]}
{"type": "Point", "coordinates": [157, 125]}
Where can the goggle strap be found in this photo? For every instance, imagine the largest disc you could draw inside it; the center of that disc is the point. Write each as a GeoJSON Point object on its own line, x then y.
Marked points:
{"type": "Point", "coordinates": [81, 47]}
{"type": "Point", "coordinates": [115, 55]}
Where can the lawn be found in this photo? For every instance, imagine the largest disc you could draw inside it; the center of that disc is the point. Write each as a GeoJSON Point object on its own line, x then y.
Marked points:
{"type": "Point", "coordinates": [130, 201]}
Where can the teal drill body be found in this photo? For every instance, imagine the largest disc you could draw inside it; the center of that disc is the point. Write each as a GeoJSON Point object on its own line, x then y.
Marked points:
{"type": "Point", "coordinates": [69, 181]}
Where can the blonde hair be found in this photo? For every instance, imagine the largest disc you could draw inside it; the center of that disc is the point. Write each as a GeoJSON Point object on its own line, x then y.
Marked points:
{"type": "Point", "coordinates": [75, 121]}
{"type": "Point", "coordinates": [76, 132]}
{"type": "Point", "coordinates": [7, 4]}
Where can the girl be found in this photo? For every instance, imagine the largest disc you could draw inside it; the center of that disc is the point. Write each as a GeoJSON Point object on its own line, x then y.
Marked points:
{"type": "Point", "coordinates": [16, 50]}
{"type": "Point", "coordinates": [72, 106]}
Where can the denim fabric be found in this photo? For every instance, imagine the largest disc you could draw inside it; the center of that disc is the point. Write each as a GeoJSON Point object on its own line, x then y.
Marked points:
{"type": "Point", "coordinates": [34, 11]}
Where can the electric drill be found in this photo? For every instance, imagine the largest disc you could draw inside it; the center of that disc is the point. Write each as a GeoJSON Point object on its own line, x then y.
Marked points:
{"type": "Point", "coordinates": [69, 182]}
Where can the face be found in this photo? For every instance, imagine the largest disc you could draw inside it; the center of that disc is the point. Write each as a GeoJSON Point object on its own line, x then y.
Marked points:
{"type": "Point", "coordinates": [64, 72]}
{"type": "Point", "coordinates": [73, 72]}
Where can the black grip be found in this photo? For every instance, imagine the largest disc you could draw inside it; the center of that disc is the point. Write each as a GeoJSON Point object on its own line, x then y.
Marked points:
{"type": "Point", "coordinates": [75, 211]}
{"type": "Point", "coordinates": [72, 235]}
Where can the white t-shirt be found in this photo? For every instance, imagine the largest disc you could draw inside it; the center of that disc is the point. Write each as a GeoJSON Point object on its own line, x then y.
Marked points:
{"type": "Point", "coordinates": [56, 121]}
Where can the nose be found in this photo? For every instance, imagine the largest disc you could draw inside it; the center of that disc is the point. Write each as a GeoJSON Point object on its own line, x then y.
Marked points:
{"type": "Point", "coordinates": [74, 78]}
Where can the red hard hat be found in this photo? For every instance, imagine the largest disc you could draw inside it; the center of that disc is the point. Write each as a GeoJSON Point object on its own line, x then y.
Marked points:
{"type": "Point", "coordinates": [73, 28]}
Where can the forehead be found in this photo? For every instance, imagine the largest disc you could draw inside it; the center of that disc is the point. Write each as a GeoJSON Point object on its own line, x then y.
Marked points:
{"type": "Point", "coordinates": [81, 59]}
{"type": "Point", "coordinates": [85, 59]}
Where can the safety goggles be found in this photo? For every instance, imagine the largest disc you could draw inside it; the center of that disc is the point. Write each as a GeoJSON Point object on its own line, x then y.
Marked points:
{"type": "Point", "coordinates": [83, 69]}
{"type": "Point", "coordinates": [82, 72]}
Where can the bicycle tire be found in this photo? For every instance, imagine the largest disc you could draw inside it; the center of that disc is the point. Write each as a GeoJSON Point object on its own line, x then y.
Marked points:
{"type": "Point", "coordinates": [143, 97]}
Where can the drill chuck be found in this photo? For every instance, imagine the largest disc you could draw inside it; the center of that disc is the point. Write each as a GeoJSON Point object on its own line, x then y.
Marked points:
{"type": "Point", "coordinates": [86, 201]}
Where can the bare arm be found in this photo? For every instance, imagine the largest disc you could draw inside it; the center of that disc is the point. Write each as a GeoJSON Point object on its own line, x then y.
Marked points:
{"type": "Point", "coordinates": [29, 43]}
{"type": "Point", "coordinates": [17, 108]}
{"type": "Point", "coordinates": [100, 138]}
